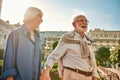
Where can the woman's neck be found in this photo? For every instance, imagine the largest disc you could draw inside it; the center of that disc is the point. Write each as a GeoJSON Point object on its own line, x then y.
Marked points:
{"type": "Point", "coordinates": [30, 27]}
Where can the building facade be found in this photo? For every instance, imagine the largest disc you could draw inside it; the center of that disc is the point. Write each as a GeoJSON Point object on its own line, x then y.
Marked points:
{"type": "Point", "coordinates": [5, 29]}
{"type": "Point", "coordinates": [104, 38]}
{"type": "Point", "coordinates": [0, 7]}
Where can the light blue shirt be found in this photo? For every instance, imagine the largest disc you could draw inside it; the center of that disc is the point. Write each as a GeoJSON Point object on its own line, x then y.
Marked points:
{"type": "Point", "coordinates": [22, 58]}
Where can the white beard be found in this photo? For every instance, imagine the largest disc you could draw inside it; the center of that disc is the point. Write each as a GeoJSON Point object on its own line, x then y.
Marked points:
{"type": "Point", "coordinates": [79, 29]}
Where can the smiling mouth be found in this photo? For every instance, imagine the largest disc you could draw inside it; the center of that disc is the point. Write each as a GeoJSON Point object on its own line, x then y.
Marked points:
{"type": "Point", "coordinates": [83, 26]}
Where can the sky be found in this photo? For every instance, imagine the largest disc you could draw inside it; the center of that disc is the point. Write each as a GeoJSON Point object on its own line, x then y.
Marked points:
{"type": "Point", "coordinates": [103, 14]}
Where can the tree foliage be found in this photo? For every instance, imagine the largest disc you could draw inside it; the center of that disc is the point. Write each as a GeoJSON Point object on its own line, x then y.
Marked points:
{"type": "Point", "coordinates": [54, 44]}
{"type": "Point", "coordinates": [54, 72]}
{"type": "Point", "coordinates": [1, 53]}
{"type": "Point", "coordinates": [1, 59]}
{"type": "Point", "coordinates": [102, 56]}
{"type": "Point", "coordinates": [115, 55]}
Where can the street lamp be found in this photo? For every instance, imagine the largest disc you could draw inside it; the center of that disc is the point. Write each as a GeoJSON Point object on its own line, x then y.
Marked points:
{"type": "Point", "coordinates": [112, 48]}
{"type": "Point", "coordinates": [47, 48]}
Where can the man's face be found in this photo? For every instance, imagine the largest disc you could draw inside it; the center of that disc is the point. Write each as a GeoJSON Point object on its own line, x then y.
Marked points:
{"type": "Point", "coordinates": [81, 24]}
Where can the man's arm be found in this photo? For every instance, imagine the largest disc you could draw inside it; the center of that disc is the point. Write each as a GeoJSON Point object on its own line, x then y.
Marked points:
{"type": "Point", "coordinates": [95, 75]}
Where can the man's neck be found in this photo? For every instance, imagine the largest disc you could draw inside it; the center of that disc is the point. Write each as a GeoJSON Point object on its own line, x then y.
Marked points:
{"type": "Point", "coordinates": [80, 33]}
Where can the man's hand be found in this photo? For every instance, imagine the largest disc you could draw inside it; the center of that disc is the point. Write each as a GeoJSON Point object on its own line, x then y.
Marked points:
{"type": "Point", "coordinates": [9, 78]}
{"type": "Point", "coordinates": [95, 78]}
{"type": "Point", "coordinates": [45, 74]}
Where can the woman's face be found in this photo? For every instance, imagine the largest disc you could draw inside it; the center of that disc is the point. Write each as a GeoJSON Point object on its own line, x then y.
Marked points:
{"type": "Point", "coordinates": [37, 21]}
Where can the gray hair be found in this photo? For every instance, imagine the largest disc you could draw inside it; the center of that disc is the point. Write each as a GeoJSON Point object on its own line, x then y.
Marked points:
{"type": "Point", "coordinates": [31, 12]}
{"type": "Point", "coordinates": [76, 17]}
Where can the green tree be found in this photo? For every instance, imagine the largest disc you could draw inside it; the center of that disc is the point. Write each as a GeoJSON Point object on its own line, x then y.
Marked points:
{"type": "Point", "coordinates": [1, 54]}
{"type": "Point", "coordinates": [1, 59]}
{"type": "Point", "coordinates": [115, 55]}
{"type": "Point", "coordinates": [54, 44]}
{"type": "Point", "coordinates": [102, 56]}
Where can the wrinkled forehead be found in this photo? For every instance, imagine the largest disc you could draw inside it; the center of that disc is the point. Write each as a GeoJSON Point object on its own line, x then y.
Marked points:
{"type": "Point", "coordinates": [79, 17]}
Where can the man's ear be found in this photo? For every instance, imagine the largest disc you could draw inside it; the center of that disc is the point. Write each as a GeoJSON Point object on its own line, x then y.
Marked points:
{"type": "Point", "coordinates": [74, 24]}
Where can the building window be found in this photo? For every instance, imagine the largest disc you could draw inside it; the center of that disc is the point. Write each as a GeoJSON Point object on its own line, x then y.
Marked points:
{"type": "Point", "coordinates": [115, 35]}
{"type": "Point", "coordinates": [113, 41]}
{"type": "Point", "coordinates": [93, 35]}
{"type": "Point", "coordinates": [101, 35]}
{"type": "Point", "coordinates": [106, 35]}
{"type": "Point", "coordinates": [110, 36]}
{"type": "Point", "coordinates": [107, 41]}
{"type": "Point", "coordinates": [96, 35]}
{"type": "Point", "coordinates": [119, 36]}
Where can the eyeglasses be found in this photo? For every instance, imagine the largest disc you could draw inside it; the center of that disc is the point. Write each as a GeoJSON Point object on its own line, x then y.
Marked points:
{"type": "Point", "coordinates": [82, 20]}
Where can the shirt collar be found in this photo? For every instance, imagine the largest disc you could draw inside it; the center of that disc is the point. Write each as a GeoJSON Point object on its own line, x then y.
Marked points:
{"type": "Point", "coordinates": [26, 31]}
{"type": "Point", "coordinates": [77, 36]}
{"type": "Point", "coordinates": [37, 32]}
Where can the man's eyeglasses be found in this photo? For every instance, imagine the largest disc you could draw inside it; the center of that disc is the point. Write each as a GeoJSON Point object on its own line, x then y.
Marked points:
{"type": "Point", "coordinates": [82, 21]}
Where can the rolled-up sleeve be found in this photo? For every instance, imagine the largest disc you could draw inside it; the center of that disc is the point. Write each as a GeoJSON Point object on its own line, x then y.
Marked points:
{"type": "Point", "coordinates": [7, 73]}
{"type": "Point", "coordinates": [9, 58]}
{"type": "Point", "coordinates": [57, 53]}
{"type": "Point", "coordinates": [94, 73]}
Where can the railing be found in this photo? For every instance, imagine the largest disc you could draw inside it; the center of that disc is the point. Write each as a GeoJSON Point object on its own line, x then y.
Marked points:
{"type": "Point", "coordinates": [107, 74]}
